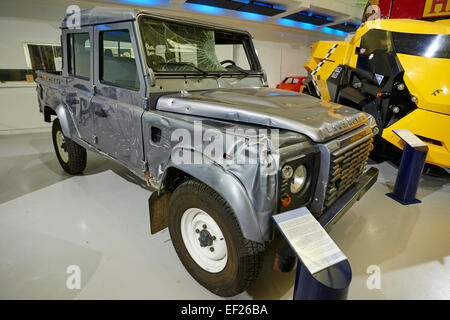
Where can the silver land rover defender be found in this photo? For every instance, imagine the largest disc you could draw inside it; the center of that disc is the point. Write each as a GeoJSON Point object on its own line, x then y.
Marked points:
{"type": "Point", "coordinates": [186, 107]}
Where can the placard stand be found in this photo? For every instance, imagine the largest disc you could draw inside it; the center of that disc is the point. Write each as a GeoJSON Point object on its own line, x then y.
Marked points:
{"type": "Point", "coordinates": [410, 170]}
{"type": "Point", "coordinates": [323, 271]}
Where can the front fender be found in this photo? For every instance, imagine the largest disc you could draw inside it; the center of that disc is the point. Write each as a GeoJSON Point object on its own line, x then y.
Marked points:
{"type": "Point", "coordinates": [231, 189]}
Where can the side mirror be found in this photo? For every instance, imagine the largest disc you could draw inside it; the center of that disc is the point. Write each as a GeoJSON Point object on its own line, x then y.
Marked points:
{"type": "Point", "coordinates": [264, 76]}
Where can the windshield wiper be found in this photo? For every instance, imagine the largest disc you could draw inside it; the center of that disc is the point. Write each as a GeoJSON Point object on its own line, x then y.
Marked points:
{"type": "Point", "coordinates": [245, 73]}
{"type": "Point", "coordinates": [189, 64]}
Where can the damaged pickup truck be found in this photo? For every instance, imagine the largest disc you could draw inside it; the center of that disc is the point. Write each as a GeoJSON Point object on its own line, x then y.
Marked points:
{"type": "Point", "coordinates": [185, 106]}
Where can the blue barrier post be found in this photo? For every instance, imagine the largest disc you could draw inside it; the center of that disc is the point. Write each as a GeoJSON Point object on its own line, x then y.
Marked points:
{"type": "Point", "coordinates": [410, 170]}
{"type": "Point", "coordinates": [331, 283]}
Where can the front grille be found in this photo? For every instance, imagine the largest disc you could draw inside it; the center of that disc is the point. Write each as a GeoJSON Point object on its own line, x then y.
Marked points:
{"type": "Point", "coordinates": [347, 165]}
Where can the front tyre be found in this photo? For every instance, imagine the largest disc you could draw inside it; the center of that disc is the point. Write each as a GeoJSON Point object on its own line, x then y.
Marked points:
{"type": "Point", "coordinates": [71, 156]}
{"type": "Point", "coordinates": [209, 242]}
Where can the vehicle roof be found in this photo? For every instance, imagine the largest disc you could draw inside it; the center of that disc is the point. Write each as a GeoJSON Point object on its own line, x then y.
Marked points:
{"type": "Point", "coordinates": [102, 15]}
{"type": "Point", "coordinates": [408, 26]}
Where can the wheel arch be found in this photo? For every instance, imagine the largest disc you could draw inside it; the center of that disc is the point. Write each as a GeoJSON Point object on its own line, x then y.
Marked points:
{"type": "Point", "coordinates": [65, 120]}
{"type": "Point", "coordinates": [226, 185]}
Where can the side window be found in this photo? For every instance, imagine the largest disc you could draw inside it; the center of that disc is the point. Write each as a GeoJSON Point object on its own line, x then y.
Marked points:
{"type": "Point", "coordinates": [376, 40]}
{"type": "Point", "coordinates": [117, 60]}
{"type": "Point", "coordinates": [79, 54]}
{"type": "Point", "coordinates": [289, 80]}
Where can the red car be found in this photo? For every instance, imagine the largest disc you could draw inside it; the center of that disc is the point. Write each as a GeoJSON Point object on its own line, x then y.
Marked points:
{"type": "Point", "coordinates": [292, 84]}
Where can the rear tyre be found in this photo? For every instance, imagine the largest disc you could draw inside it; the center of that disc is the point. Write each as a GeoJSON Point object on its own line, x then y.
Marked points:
{"type": "Point", "coordinates": [71, 156]}
{"type": "Point", "coordinates": [209, 242]}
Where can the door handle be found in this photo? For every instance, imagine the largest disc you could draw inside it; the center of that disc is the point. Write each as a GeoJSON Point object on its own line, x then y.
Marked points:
{"type": "Point", "coordinates": [101, 113]}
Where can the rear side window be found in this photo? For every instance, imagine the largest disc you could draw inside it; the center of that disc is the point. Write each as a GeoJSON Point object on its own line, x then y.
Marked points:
{"type": "Point", "coordinates": [79, 54]}
{"type": "Point", "coordinates": [118, 62]}
{"type": "Point", "coordinates": [376, 40]}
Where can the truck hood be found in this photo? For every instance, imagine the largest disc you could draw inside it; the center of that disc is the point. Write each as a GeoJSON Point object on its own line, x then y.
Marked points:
{"type": "Point", "coordinates": [319, 120]}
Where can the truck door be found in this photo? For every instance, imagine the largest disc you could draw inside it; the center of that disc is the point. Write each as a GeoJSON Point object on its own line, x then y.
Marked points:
{"type": "Point", "coordinates": [119, 102]}
{"type": "Point", "coordinates": [79, 78]}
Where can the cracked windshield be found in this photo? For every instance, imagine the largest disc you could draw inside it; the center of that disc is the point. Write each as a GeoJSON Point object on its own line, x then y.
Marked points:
{"type": "Point", "coordinates": [176, 47]}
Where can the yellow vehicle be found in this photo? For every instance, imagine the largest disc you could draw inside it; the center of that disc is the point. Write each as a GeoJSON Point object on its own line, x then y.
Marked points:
{"type": "Point", "coordinates": [398, 70]}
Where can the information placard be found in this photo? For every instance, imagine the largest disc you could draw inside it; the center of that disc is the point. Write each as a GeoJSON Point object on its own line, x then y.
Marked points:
{"type": "Point", "coordinates": [409, 138]}
{"type": "Point", "coordinates": [313, 245]}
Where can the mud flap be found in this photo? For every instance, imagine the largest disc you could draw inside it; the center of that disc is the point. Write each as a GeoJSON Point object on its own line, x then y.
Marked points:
{"type": "Point", "coordinates": [158, 207]}
{"type": "Point", "coordinates": [285, 259]}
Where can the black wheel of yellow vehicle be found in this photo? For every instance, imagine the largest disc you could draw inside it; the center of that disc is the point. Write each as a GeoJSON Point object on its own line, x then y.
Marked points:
{"type": "Point", "coordinates": [71, 156]}
{"type": "Point", "coordinates": [209, 242]}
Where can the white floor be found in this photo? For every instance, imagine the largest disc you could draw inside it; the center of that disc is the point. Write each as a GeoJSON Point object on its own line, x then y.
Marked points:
{"type": "Point", "coordinates": [100, 222]}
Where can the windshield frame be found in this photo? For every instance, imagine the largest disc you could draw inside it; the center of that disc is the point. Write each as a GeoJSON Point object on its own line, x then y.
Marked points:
{"type": "Point", "coordinates": [248, 45]}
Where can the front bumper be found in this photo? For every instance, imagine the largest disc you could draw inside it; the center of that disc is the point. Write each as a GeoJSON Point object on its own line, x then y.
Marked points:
{"type": "Point", "coordinates": [340, 207]}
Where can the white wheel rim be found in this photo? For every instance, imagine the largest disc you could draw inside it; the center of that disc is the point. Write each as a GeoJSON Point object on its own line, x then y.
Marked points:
{"type": "Point", "coordinates": [193, 221]}
{"type": "Point", "coordinates": [60, 141]}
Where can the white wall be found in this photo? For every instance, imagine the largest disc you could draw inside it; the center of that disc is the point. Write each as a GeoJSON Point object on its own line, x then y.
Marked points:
{"type": "Point", "coordinates": [18, 104]}
{"type": "Point", "coordinates": [19, 111]}
{"type": "Point", "coordinates": [280, 56]}
{"type": "Point", "coordinates": [14, 32]}
{"type": "Point", "coordinates": [281, 59]}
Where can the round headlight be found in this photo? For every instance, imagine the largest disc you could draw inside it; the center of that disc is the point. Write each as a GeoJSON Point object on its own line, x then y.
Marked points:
{"type": "Point", "coordinates": [299, 180]}
{"type": "Point", "coordinates": [287, 172]}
